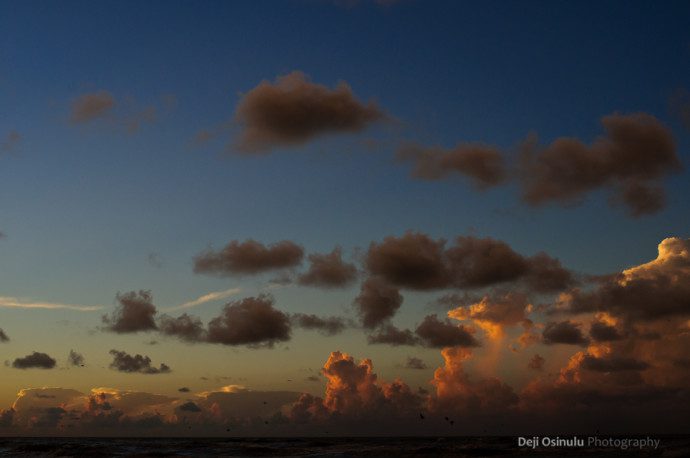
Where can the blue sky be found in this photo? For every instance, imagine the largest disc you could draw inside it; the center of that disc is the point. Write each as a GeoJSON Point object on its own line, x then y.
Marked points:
{"type": "Point", "coordinates": [83, 207]}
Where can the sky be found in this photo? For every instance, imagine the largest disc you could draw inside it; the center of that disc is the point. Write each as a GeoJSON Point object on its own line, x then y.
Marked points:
{"type": "Point", "coordinates": [304, 216]}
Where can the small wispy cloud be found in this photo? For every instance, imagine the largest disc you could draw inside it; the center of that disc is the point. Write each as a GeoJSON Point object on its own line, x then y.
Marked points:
{"type": "Point", "coordinates": [210, 297]}
{"type": "Point", "coordinates": [14, 302]}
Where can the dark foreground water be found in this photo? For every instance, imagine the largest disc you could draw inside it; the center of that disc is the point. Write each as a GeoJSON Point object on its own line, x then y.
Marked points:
{"type": "Point", "coordinates": [670, 446]}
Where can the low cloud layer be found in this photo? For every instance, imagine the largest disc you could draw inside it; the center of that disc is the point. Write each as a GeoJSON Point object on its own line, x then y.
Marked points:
{"type": "Point", "coordinates": [35, 360]}
{"type": "Point", "coordinates": [124, 362]}
{"type": "Point", "coordinates": [293, 110]}
{"type": "Point", "coordinates": [249, 257]}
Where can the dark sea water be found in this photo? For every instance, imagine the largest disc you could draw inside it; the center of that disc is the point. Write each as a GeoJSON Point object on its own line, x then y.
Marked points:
{"type": "Point", "coordinates": [670, 446]}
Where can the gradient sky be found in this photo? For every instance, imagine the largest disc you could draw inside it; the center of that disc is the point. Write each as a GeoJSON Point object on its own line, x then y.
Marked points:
{"type": "Point", "coordinates": [126, 201]}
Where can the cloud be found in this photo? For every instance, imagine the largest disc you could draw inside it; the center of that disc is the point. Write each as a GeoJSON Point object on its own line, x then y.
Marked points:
{"type": "Point", "coordinates": [75, 359]}
{"type": "Point", "coordinates": [328, 271]}
{"type": "Point", "coordinates": [536, 363]}
{"type": "Point", "coordinates": [3, 336]}
{"type": "Point", "coordinates": [189, 406]}
{"type": "Point", "coordinates": [631, 159]}
{"type": "Point", "coordinates": [493, 313]}
{"type": "Point", "coordinates": [563, 332]}
{"type": "Point", "coordinates": [293, 110]}
{"type": "Point", "coordinates": [651, 291]}
{"type": "Point", "coordinates": [328, 326]}
{"type": "Point", "coordinates": [352, 389]}
{"type": "Point", "coordinates": [209, 297]}
{"type": "Point", "coordinates": [14, 302]}
{"type": "Point", "coordinates": [185, 327]}
{"type": "Point", "coordinates": [479, 262]}
{"type": "Point", "coordinates": [251, 321]}
{"type": "Point", "coordinates": [415, 363]}
{"type": "Point", "coordinates": [438, 334]}
{"type": "Point", "coordinates": [249, 257]}
{"type": "Point", "coordinates": [135, 313]}
{"type": "Point", "coordinates": [457, 392]}
{"type": "Point", "coordinates": [603, 332]}
{"type": "Point", "coordinates": [184, 389]}
{"type": "Point", "coordinates": [34, 360]}
{"type": "Point", "coordinates": [391, 335]}
{"type": "Point", "coordinates": [124, 362]}
{"type": "Point", "coordinates": [10, 142]}
{"type": "Point", "coordinates": [94, 105]}
{"type": "Point", "coordinates": [612, 364]}
{"type": "Point", "coordinates": [377, 302]}
{"type": "Point", "coordinates": [482, 164]}
{"type": "Point", "coordinates": [416, 261]}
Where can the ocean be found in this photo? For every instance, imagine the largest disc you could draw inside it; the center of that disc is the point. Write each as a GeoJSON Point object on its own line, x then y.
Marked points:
{"type": "Point", "coordinates": [459, 447]}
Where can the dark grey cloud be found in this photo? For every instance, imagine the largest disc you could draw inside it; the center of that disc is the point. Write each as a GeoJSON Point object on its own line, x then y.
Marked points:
{"type": "Point", "coordinates": [94, 105]}
{"type": "Point", "coordinates": [415, 363]}
{"type": "Point", "coordinates": [391, 335]}
{"type": "Point", "coordinates": [135, 313]}
{"type": "Point", "coordinates": [482, 164]}
{"type": "Point", "coordinates": [34, 360]}
{"type": "Point", "coordinates": [328, 271]}
{"type": "Point", "coordinates": [326, 325]}
{"type": "Point", "coordinates": [438, 334]}
{"type": "Point", "coordinates": [189, 406]}
{"type": "Point", "coordinates": [249, 257]}
{"type": "Point", "coordinates": [413, 261]}
{"type": "Point", "coordinates": [612, 364]}
{"type": "Point", "coordinates": [631, 159]}
{"type": "Point", "coordinates": [602, 332]}
{"type": "Point", "coordinates": [75, 359]}
{"type": "Point", "coordinates": [48, 417]}
{"type": "Point", "coordinates": [293, 110]}
{"type": "Point", "coordinates": [184, 389]}
{"type": "Point", "coordinates": [563, 332]}
{"type": "Point", "coordinates": [377, 302]}
{"type": "Point", "coordinates": [251, 321]}
{"type": "Point", "coordinates": [3, 336]}
{"type": "Point", "coordinates": [416, 261]}
{"type": "Point", "coordinates": [185, 327]}
{"type": "Point", "coordinates": [124, 362]}
{"type": "Point", "coordinates": [479, 262]}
